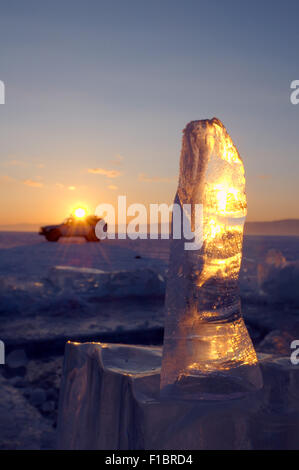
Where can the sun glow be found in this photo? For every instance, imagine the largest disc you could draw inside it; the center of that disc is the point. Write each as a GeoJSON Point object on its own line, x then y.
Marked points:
{"type": "Point", "coordinates": [80, 212]}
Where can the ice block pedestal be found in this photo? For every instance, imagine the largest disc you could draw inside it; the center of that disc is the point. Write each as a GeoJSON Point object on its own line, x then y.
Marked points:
{"type": "Point", "coordinates": [110, 399]}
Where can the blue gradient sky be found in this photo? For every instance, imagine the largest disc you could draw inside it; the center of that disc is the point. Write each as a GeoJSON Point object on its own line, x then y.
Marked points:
{"type": "Point", "coordinates": [111, 85]}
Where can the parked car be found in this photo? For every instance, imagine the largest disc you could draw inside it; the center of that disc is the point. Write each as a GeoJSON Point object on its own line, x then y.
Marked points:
{"type": "Point", "coordinates": [73, 227]}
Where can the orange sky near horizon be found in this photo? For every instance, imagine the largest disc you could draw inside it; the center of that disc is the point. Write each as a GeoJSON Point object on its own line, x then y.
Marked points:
{"type": "Point", "coordinates": [38, 202]}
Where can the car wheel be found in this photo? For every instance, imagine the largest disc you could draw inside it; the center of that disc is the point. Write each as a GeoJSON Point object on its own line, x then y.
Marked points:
{"type": "Point", "coordinates": [91, 236]}
{"type": "Point", "coordinates": [53, 235]}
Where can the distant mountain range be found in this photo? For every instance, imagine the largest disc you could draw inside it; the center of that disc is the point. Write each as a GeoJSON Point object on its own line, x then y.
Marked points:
{"type": "Point", "coordinates": [20, 227]}
{"type": "Point", "coordinates": [275, 227]}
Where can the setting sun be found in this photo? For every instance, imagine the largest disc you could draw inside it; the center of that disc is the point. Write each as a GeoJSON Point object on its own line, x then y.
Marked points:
{"type": "Point", "coordinates": [80, 212]}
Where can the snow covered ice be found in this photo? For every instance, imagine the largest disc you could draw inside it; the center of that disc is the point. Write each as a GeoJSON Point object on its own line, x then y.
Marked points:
{"type": "Point", "coordinates": [207, 349]}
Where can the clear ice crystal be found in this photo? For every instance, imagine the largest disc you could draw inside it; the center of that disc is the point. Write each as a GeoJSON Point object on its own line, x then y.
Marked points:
{"type": "Point", "coordinates": [207, 350]}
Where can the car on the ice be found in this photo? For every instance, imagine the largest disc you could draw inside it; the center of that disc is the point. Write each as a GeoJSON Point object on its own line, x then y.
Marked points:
{"type": "Point", "coordinates": [73, 227]}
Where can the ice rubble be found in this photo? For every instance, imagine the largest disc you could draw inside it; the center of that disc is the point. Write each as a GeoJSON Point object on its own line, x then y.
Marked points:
{"type": "Point", "coordinates": [63, 285]}
{"type": "Point", "coordinates": [278, 279]}
{"type": "Point", "coordinates": [102, 284]}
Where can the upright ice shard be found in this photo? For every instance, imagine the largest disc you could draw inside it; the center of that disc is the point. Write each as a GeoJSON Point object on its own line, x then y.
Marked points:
{"type": "Point", "coordinates": [207, 350]}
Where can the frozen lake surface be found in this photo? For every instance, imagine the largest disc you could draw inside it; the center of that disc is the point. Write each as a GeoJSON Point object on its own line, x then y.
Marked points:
{"type": "Point", "coordinates": [27, 256]}
{"type": "Point", "coordinates": [38, 302]}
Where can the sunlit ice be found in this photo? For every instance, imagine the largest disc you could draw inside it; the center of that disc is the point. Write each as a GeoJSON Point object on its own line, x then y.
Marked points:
{"type": "Point", "coordinates": [207, 351]}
